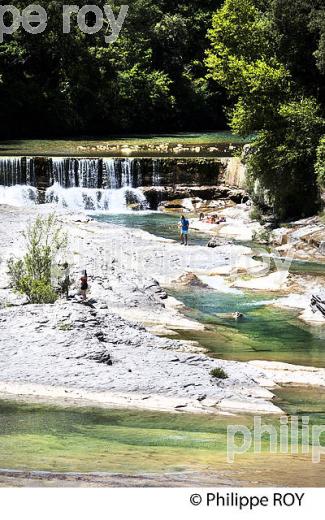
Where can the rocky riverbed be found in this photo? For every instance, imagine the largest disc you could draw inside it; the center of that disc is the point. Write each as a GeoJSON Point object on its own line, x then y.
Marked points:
{"type": "Point", "coordinates": [270, 264]}
{"type": "Point", "coordinates": [106, 352]}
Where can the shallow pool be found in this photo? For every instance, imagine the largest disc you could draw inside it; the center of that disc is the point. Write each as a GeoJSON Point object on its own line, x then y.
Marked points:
{"type": "Point", "coordinates": [266, 332]}
{"type": "Point", "coordinates": [160, 224]}
{"type": "Point", "coordinates": [45, 438]}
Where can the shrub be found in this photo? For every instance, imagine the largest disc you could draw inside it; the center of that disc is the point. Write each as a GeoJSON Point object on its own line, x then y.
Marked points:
{"type": "Point", "coordinates": [32, 275]}
{"type": "Point", "coordinates": [256, 214]}
{"type": "Point", "coordinates": [65, 327]}
{"type": "Point", "coordinates": [38, 291]}
{"type": "Point", "coordinates": [219, 373]}
{"type": "Point", "coordinates": [262, 237]}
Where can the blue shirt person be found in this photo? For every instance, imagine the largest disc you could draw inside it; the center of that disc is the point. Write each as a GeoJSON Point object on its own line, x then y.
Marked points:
{"type": "Point", "coordinates": [185, 226]}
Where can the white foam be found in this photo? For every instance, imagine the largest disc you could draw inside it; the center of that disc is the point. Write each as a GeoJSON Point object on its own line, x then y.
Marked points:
{"type": "Point", "coordinates": [90, 199]}
{"type": "Point", "coordinates": [218, 283]}
{"type": "Point", "coordinates": [295, 301]}
{"type": "Point", "coordinates": [18, 195]}
{"type": "Point", "coordinates": [262, 303]}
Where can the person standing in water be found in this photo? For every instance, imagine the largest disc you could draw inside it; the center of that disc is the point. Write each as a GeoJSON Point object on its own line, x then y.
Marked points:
{"type": "Point", "coordinates": [84, 285]}
{"type": "Point", "coordinates": [185, 226]}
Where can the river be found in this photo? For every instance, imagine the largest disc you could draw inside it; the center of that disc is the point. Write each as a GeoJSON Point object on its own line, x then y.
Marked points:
{"type": "Point", "coordinates": [86, 440]}
{"type": "Point", "coordinates": [267, 332]}
{"type": "Point", "coordinates": [55, 439]}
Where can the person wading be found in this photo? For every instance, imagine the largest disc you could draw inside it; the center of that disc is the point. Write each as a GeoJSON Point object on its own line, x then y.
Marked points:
{"type": "Point", "coordinates": [185, 226]}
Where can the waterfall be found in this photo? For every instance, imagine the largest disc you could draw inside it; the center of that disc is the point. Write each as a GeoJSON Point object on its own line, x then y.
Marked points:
{"type": "Point", "coordinates": [11, 171]}
{"type": "Point", "coordinates": [91, 199]}
{"type": "Point", "coordinates": [16, 180]}
{"type": "Point", "coordinates": [30, 171]}
{"type": "Point", "coordinates": [88, 173]}
{"type": "Point", "coordinates": [17, 171]}
{"type": "Point", "coordinates": [64, 172]}
{"type": "Point", "coordinates": [18, 195]}
{"type": "Point", "coordinates": [58, 171]}
{"type": "Point", "coordinates": [72, 173]}
{"type": "Point", "coordinates": [127, 173]}
{"type": "Point", "coordinates": [156, 172]}
{"type": "Point", "coordinates": [79, 183]}
{"type": "Point", "coordinates": [120, 173]}
{"type": "Point", "coordinates": [109, 169]}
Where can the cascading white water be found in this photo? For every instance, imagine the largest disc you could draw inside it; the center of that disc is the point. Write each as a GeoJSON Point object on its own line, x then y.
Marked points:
{"type": "Point", "coordinates": [120, 173]}
{"type": "Point", "coordinates": [30, 171]}
{"type": "Point", "coordinates": [156, 172]}
{"type": "Point", "coordinates": [127, 172]}
{"type": "Point", "coordinates": [72, 173]}
{"type": "Point", "coordinates": [64, 171]}
{"type": "Point", "coordinates": [86, 183]}
{"type": "Point", "coordinates": [109, 169]}
{"type": "Point", "coordinates": [91, 199]}
{"type": "Point", "coordinates": [58, 170]}
{"type": "Point", "coordinates": [16, 178]}
{"type": "Point", "coordinates": [10, 171]}
{"type": "Point", "coordinates": [19, 195]}
{"type": "Point", "coordinates": [77, 185]}
{"type": "Point", "coordinates": [88, 173]}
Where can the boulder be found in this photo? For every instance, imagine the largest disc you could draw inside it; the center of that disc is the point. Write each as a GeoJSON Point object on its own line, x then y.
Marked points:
{"type": "Point", "coordinates": [190, 279]}
{"type": "Point", "coordinates": [103, 358]}
{"type": "Point", "coordinates": [156, 195]}
{"type": "Point", "coordinates": [280, 237]}
{"type": "Point", "coordinates": [216, 242]}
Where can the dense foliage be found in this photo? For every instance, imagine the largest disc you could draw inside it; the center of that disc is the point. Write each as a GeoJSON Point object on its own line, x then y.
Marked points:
{"type": "Point", "coordinates": [270, 56]}
{"type": "Point", "coordinates": [266, 64]}
{"type": "Point", "coordinates": [320, 164]}
{"type": "Point", "coordinates": [152, 79]}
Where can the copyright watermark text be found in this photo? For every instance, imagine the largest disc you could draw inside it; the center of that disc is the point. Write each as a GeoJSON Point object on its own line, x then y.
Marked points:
{"type": "Point", "coordinates": [34, 19]}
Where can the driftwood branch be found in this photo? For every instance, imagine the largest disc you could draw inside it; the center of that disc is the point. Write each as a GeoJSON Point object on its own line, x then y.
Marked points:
{"type": "Point", "coordinates": [318, 304]}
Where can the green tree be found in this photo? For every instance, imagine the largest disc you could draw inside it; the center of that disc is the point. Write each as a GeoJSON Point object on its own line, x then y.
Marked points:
{"type": "Point", "coordinates": [152, 79]}
{"type": "Point", "coordinates": [34, 274]}
{"type": "Point", "coordinates": [320, 164]}
{"type": "Point", "coordinates": [254, 56]}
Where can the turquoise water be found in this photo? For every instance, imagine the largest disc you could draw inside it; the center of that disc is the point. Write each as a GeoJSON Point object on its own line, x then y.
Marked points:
{"type": "Point", "coordinates": [39, 437]}
{"type": "Point", "coordinates": [266, 332]}
{"type": "Point", "coordinates": [48, 438]}
{"type": "Point", "coordinates": [165, 225]}
{"type": "Point", "coordinates": [65, 439]}
{"type": "Point", "coordinates": [297, 266]}
{"type": "Point", "coordinates": [160, 224]}
{"type": "Point", "coordinates": [302, 267]}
